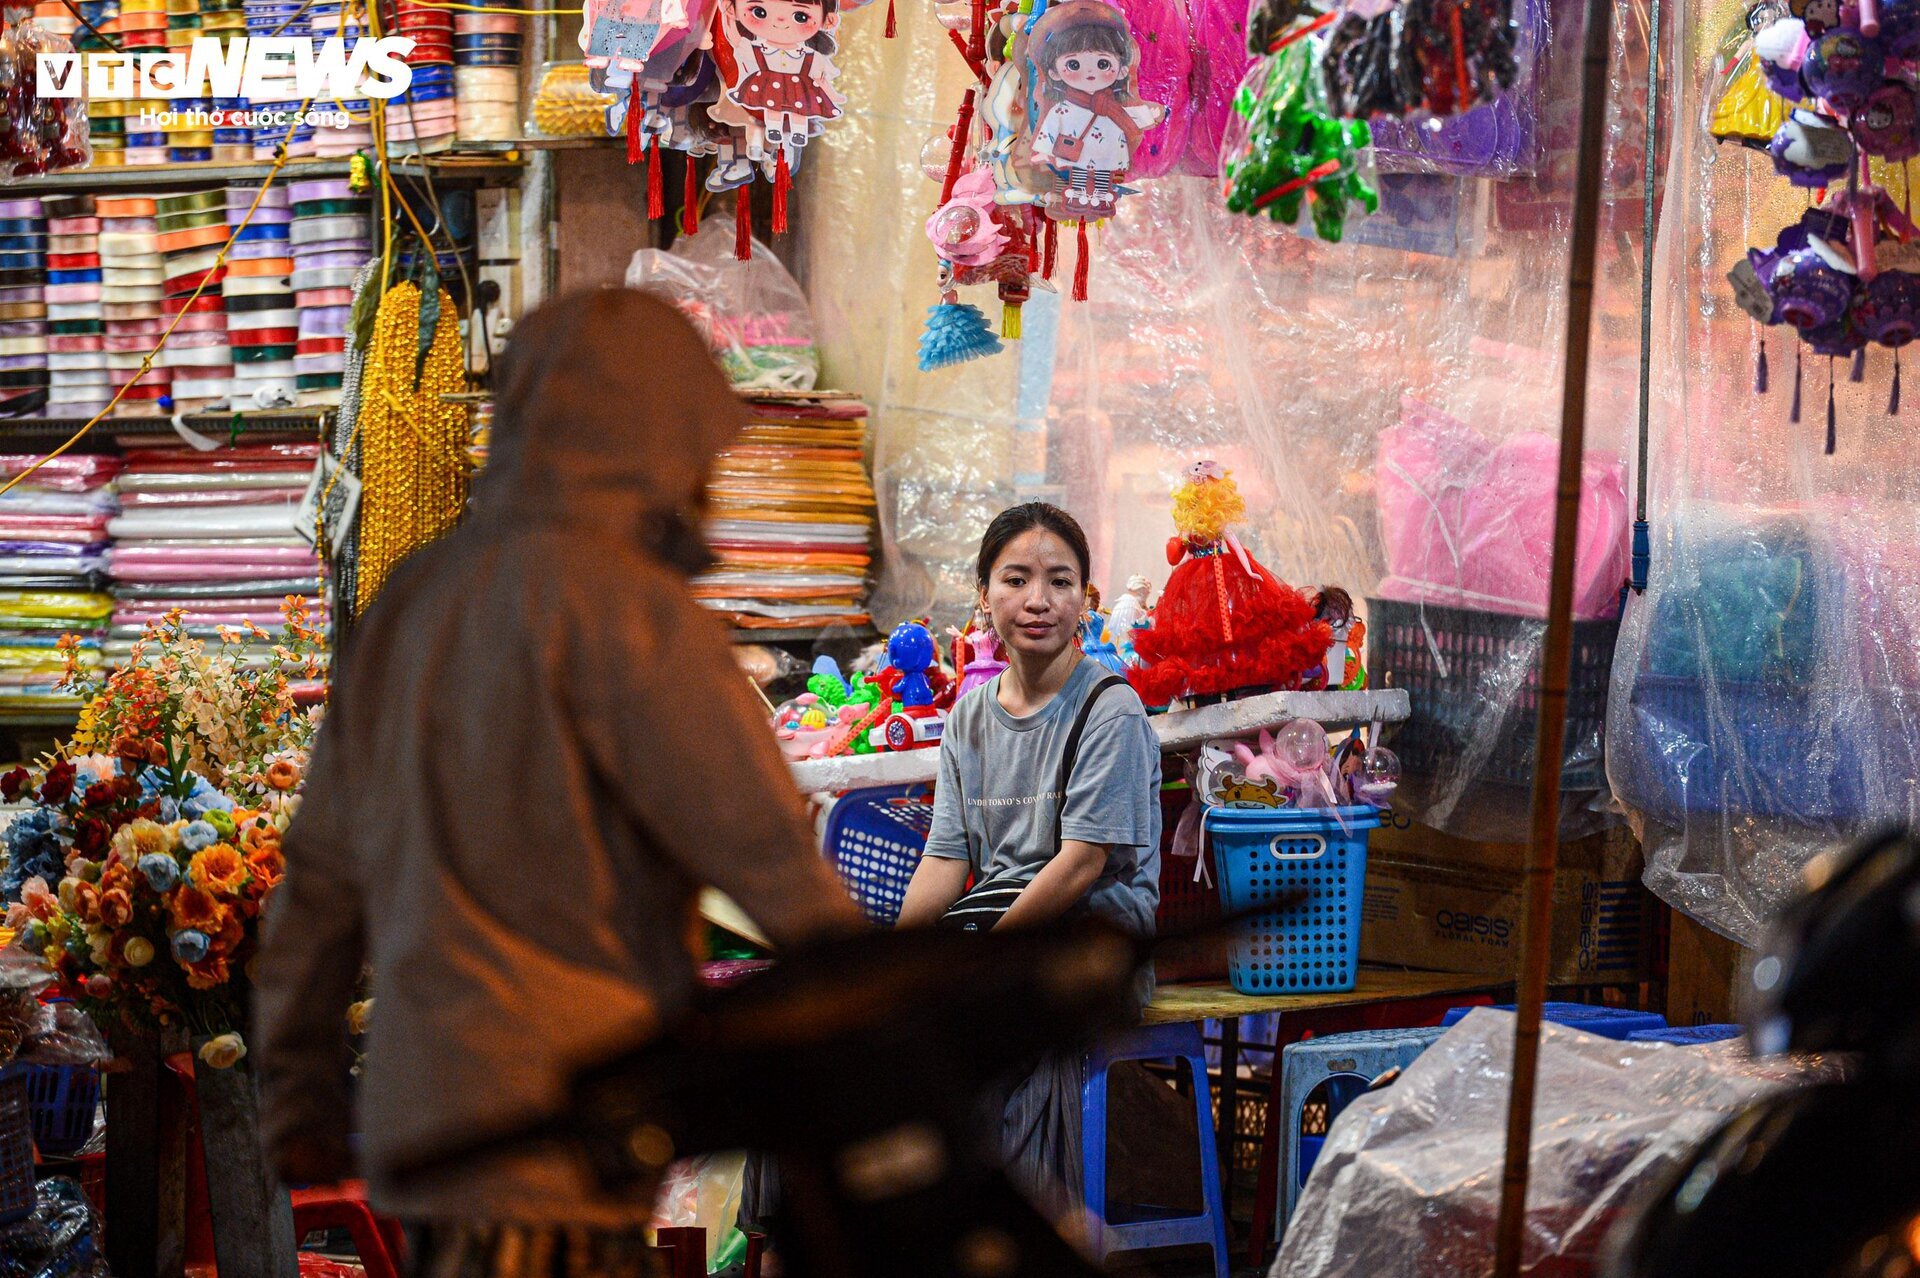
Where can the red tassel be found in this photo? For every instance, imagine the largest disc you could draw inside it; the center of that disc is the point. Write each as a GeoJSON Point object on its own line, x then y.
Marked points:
{"type": "Point", "coordinates": [634, 114]}
{"type": "Point", "coordinates": [1053, 246]}
{"type": "Point", "coordinates": [1080, 267]}
{"type": "Point", "coordinates": [782, 184]}
{"type": "Point", "coordinates": [656, 183]}
{"type": "Point", "coordinates": [690, 215]}
{"type": "Point", "coordinates": [743, 224]}
{"type": "Point", "coordinates": [1030, 223]}
{"type": "Point", "coordinates": [893, 28]}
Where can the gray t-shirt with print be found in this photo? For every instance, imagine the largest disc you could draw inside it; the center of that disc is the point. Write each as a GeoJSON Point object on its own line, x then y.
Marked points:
{"type": "Point", "coordinates": [998, 791]}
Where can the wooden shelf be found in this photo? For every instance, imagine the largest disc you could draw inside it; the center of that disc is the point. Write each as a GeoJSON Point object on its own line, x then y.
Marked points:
{"type": "Point", "coordinates": [1217, 1001]}
{"type": "Point", "coordinates": [1181, 730]}
{"type": "Point", "coordinates": [450, 166]}
{"type": "Point", "coordinates": [214, 424]}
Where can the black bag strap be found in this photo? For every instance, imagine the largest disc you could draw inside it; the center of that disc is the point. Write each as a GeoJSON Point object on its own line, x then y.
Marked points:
{"type": "Point", "coordinates": [1072, 753]}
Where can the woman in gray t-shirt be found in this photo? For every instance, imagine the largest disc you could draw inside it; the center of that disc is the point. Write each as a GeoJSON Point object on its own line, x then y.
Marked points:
{"type": "Point", "coordinates": [999, 816]}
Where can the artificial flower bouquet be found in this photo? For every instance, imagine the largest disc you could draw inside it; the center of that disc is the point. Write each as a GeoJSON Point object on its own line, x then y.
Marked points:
{"type": "Point", "coordinates": [141, 871]}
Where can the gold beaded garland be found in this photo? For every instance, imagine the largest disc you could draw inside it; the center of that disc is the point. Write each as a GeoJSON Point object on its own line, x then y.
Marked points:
{"type": "Point", "coordinates": [413, 466]}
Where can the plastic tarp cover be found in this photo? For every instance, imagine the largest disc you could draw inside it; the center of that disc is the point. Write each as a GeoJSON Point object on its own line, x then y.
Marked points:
{"type": "Point", "coordinates": [1765, 687]}
{"type": "Point", "coordinates": [1408, 1182]}
{"type": "Point", "coordinates": [1289, 360]}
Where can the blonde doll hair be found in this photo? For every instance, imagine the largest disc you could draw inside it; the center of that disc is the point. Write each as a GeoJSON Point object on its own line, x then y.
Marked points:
{"type": "Point", "coordinates": [1203, 509]}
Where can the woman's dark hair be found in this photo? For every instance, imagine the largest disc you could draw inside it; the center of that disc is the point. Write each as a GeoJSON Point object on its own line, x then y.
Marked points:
{"type": "Point", "coordinates": [1014, 520]}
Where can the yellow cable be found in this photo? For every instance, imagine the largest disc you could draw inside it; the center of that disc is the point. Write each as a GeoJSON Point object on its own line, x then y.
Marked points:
{"type": "Point", "coordinates": [489, 8]}
{"type": "Point", "coordinates": [146, 364]}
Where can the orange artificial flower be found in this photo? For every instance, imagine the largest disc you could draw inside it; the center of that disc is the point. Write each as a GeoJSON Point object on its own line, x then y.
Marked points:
{"type": "Point", "coordinates": [283, 775]}
{"type": "Point", "coordinates": [116, 877]}
{"type": "Point", "coordinates": [268, 865]}
{"type": "Point", "coordinates": [227, 935]}
{"type": "Point", "coordinates": [86, 901]}
{"type": "Point", "coordinates": [257, 836]}
{"type": "Point", "coordinates": [209, 973]}
{"type": "Point", "coordinates": [116, 907]}
{"type": "Point", "coordinates": [193, 908]}
{"type": "Point", "coordinates": [218, 869]}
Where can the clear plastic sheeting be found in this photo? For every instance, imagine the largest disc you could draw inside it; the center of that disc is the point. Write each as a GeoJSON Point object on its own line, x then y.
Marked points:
{"type": "Point", "coordinates": [1210, 335]}
{"type": "Point", "coordinates": [1765, 687]}
{"type": "Point", "coordinates": [1408, 1183]}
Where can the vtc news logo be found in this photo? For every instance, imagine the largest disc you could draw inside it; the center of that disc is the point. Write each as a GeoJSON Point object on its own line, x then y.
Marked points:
{"type": "Point", "coordinates": [246, 67]}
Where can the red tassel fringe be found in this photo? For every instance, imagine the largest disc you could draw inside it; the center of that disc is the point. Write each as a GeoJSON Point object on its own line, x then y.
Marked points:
{"type": "Point", "coordinates": [690, 196]}
{"type": "Point", "coordinates": [656, 183]}
{"type": "Point", "coordinates": [743, 223]}
{"type": "Point", "coordinates": [1053, 247]}
{"type": "Point", "coordinates": [634, 113]}
{"type": "Point", "coordinates": [782, 184]}
{"type": "Point", "coordinates": [893, 27]}
{"type": "Point", "coordinates": [1080, 267]}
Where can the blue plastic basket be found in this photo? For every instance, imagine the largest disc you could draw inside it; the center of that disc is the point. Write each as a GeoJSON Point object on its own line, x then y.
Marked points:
{"type": "Point", "coordinates": [1607, 1022]}
{"type": "Point", "coordinates": [16, 1144]}
{"type": "Point", "coordinates": [874, 840]}
{"type": "Point", "coordinates": [1687, 1035]}
{"type": "Point", "coordinates": [1263, 855]}
{"type": "Point", "coordinates": [63, 1098]}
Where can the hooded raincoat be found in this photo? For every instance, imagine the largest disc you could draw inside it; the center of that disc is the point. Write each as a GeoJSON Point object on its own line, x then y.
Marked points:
{"type": "Point", "coordinates": [539, 746]}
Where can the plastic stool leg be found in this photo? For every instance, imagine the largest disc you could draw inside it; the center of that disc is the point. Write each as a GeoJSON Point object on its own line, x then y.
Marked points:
{"type": "Point", "coordinates": [1209, 1164]}
{"type": "Point", "coordinates": [1093, 1151]}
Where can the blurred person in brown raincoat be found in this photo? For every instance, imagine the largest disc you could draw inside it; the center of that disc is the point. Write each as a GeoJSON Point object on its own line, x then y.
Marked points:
{"type": "Point", "coordinates": [538, 748]}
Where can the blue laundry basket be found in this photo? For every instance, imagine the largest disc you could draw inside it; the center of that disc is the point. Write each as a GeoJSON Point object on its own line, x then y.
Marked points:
{"type": "Point", "coordinates": [1607, 1022]}
{"type": "Point", "coordinates": [1687, 1035]}
{"type": "Point", "coordinates": [874, 840]}
{"type": "Point", "coordinates": [1263, 855]}
{"type": "Point", "coordinates": [63, 1098]}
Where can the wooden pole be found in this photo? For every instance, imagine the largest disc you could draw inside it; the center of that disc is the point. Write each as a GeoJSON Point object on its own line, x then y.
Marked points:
{"type": "Point", "coordinates": [1555, 662]}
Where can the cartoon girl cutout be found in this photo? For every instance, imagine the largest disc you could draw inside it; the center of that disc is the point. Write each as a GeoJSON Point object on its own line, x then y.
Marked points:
{"type": "Point", "coordinates": [785, 65]}
{"type": "Point", "coordinates": [1090, 121]}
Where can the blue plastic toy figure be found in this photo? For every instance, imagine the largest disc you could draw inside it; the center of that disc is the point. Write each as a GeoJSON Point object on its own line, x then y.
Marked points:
{"type": "Point", "coordinates": [910, 651]}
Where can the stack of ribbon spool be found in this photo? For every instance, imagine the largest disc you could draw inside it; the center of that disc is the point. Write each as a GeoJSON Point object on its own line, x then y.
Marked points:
{"type": "Point", "coordinates": [107, 125]}
{"type": "Point", "coordinates": [261, 316]}
{"type": "Point", "coordinates": [189, 134]}
{"type": "Point", "coordinates": [332, 240]}
{"type": "Point", "coordinates": [330, 19]}
{"type": "Point", "coordinates": [132, 276]}
{"type": "Point", "coordinates": [23, 316]}
{"type": "Point", "coordinates": [486, 56]}
{"type": "Point", "coordinates": [193, 227]}
{"type": "Point", "coordinates": [232, 141]}
{"type": "Point", "coordinates": [76, 324]}
{"type": "Point", "coordinates": [51, 15]}
{"type": "Point", "coordinates": [423, 118]}
{"type": "Point", "coordinates": [278, 90]}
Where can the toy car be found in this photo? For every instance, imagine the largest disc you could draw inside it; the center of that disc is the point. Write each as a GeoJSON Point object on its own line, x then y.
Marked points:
{"type": "Point", "coordinates": [909, 728]}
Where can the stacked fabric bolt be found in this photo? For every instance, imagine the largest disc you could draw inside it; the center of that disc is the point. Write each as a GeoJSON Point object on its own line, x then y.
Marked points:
{"type": "Point", "coordinates": [133, 279]}
{"type": "Point", "coordinates": [193, 230]}
{"type": "Point", "coordinates": [53, 542]}
{"type": "Point", "coordinates": [261, 318]}
{"type": "Point", "coordinates": [23, 307]}
{"type": "Point", "coordinates": [792, 519]}
{"type": "Point", "coordinates": [332, 239]}
{"type": "Point", "coordinates": [81, 384]}
{"type": "Point", "coordinates": [486, 57]}
{"type": "Point", "coordinates": [212, 534]}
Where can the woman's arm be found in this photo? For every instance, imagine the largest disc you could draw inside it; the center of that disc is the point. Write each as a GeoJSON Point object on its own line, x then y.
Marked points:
{"type": "Point", "coordinates": [937, 883]}
{"type": "Point", "coordinates": [1060, 885]}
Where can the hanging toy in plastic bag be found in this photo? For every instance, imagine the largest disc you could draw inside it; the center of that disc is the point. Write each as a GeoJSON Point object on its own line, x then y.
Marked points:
{"type": "Point", "coordinates": [1283, 149]}
{"type": "Point", "coordinates": [1224, 623]}
{"type": "Point", "coordinates": [1811, 150]}
{"type": "Point", "coordinates": [1807, 279]}
{"type": "Point", "coordinates": [38, 134]}
{"type": "Point", "coordinates": [1440, 57]}
{"type": "Point", "coordinates": [1741, 106]}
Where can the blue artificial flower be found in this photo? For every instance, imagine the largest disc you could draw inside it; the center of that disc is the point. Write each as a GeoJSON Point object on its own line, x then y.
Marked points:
{"type": "Point", "coordinates": [189, 946]}
{"type": "Point", "coordinates": [33, 849]}
{"type": "Point", "coordinates": [162, 872]}
{"type": "Point", "coordinates": [167, 811]}
{"type": "Point", "coordinates": [197, 835]}
{"type": "Point", "coordinates": [33, 937]}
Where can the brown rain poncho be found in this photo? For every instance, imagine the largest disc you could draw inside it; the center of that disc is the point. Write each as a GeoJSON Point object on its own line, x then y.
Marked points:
{"type": "Point", "coordinates": [538, 747]}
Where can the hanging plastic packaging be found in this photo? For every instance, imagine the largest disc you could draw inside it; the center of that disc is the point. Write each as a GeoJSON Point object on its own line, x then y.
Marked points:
{"type": "Point", "coordinates": [752, 313]}
{"type": "Point", "coordinates": [38, 133]}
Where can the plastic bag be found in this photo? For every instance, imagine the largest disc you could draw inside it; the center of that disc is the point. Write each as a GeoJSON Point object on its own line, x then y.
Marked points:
{"type": "Point", "coordinates": [753, 314]}
{"type": "Point", "coordinates": [705, 1192]}
{"type": "Point", "coordinates": [40, 134]}
{"type": "Point", "coordinates": [65, 1035]}
{"type": "Point", "coordinates": [63, 1238]}
{"type": "Point", "coordinates": [1408, 1183]}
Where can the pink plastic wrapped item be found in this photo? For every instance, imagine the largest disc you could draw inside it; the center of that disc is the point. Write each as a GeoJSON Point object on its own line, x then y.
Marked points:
{"type": "Point", "coordinates": [1472, 527]}
{"type": "Point", "coordinates": [1220, 62]}
{"type": "Point", "coordinates": [1165, 36]}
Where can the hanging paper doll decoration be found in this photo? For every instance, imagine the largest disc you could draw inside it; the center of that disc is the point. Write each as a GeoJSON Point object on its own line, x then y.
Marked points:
{"type": "Point", "coordinates": [1088, 120]}
{"type": "Point", "coordinates": [1095, 639]}
{"type": "Point", "coordinates": [785, 65]}
{"type": "Point", "coordinates": [1224, 624]}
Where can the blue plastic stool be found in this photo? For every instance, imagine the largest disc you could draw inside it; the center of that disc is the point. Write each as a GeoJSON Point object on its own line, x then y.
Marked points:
{"type": "Point", "coordinates": [874, 839]}
{"type": "Point", "coordinates": [1150, 1043]}
{"type": "Point", "coordinates": [1687, 1035]}
{"type": "Point", "coordinates": [1607, 1022]}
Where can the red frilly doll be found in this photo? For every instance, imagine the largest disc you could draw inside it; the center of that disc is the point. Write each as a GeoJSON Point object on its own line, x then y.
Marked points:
{"type": "Point", "coordinates": [1224, 623]}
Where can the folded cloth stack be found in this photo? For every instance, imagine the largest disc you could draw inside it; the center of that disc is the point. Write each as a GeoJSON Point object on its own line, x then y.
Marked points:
{"type": "Point", "coordinates": [211, 534]}
{"type": "Point", "coordinates": [332, 240]}
{"type": "Point", "coordinates": [23, 307]}
{"type": "Point", "coordinates": [792, 519]}
{"type": "Point", "coordinates": [53, 542]}
{"type": "Point", "coordinates": [81, 383]}
{"type": "Point", "coordinates": [193, 230]}
{"type": "Point", "coordinates": [261, 318]}
{"type": "Point", "coordinates": [133, 279]}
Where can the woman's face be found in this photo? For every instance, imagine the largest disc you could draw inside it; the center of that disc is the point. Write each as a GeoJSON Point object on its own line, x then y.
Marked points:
{"type": "Point", "coordinates": [1034, 594]}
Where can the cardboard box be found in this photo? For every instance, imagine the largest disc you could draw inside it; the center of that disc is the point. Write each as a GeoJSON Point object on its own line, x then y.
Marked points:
{"type": "Point", "coordinates": [1708, 976]}
{"type": "Point", "coordinates": [1454, 905]}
